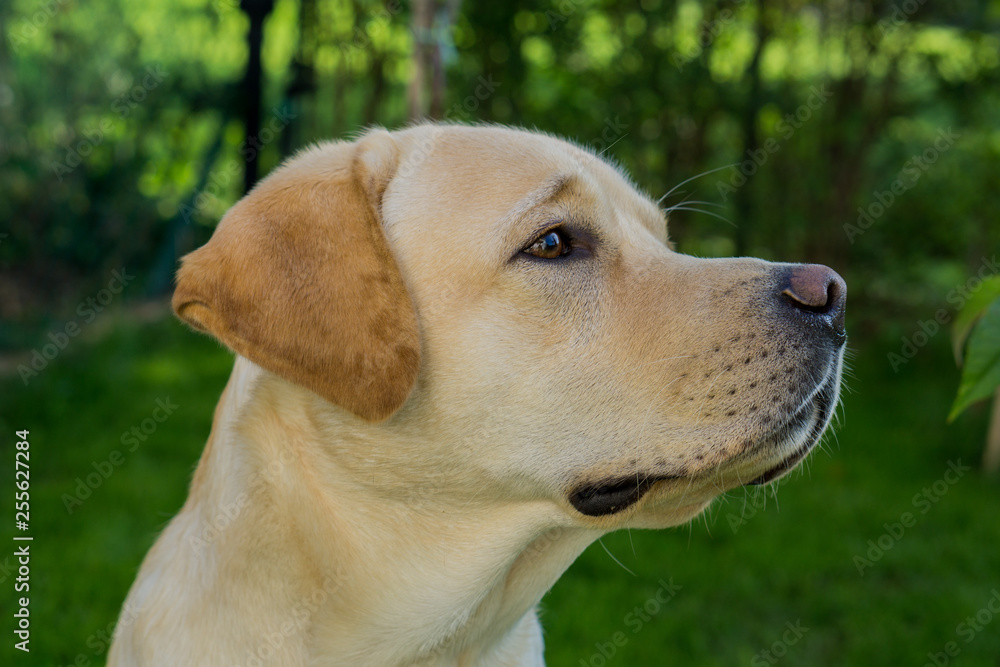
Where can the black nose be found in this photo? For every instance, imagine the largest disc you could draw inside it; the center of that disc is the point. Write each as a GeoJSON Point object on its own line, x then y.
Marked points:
{"type": "Point", "coordinates": [817, 290]}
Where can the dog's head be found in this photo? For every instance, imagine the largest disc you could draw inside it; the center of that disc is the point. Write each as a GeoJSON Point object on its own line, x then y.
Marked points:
{"type": "Point", "coordinates": [497, 313]}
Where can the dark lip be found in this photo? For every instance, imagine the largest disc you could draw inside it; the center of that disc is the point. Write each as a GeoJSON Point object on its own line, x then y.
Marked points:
{"type": "Point", "coordinates": [610, 496]}
{"type": "Point", "coordinates": [615, 494]}
{"type": "Point", "coordinates": [786, 464]}
{"type": "Point", "coordinates": [822, 403]}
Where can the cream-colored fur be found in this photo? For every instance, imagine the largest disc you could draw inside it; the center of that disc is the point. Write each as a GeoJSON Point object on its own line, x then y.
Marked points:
{"type": "Point", "coordinates": [410, 498]}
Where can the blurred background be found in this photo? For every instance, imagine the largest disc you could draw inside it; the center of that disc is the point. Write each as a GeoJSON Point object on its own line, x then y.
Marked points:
{"type": "Point", "coordinates": [862, 135]}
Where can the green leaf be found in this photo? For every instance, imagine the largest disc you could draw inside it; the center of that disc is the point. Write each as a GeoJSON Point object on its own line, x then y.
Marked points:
{"type": "Point", "coordinates": [974, 308]}
{"type": "Point", "coordinates": [981, 374]}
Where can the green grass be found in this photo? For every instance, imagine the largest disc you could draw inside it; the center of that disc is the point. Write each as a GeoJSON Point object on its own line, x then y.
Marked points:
{"type": "Point", "coordinates": [790, 561]}
{"type": "Point", "coordinates": [77, 410]}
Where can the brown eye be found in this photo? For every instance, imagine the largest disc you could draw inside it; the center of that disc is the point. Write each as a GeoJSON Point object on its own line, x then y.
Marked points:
{"type": "Point", "coordinates": [550, 245]}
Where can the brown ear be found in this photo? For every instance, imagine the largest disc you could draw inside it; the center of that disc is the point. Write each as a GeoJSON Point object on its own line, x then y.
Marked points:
{"type": "Point", "coordinates": [298, 277]}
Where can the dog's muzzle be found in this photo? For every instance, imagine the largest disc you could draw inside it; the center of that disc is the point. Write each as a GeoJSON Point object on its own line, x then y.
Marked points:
{"type": "Point", "coordinates": [810, 303]}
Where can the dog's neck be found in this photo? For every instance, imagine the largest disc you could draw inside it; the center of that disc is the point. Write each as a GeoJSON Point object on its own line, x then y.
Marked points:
{"type": "Point", "coordinates": [394, 579]}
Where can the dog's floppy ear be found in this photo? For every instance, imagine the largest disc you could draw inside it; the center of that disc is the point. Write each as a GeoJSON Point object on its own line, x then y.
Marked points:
{"type": "Point", "coordinates": [298, 277]}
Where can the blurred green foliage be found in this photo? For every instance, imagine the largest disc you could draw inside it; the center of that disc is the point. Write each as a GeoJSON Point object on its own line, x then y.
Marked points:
{"type": "Point", "coordinates": [864, 133]}
{"type": "Point", "coordinates": [976, 344]}
{"type": "Point", "coordinates": [859, 134]}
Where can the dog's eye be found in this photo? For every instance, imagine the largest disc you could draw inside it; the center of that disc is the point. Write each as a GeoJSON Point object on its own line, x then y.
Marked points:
{"type": "Point", "coordinates": [550, 245]}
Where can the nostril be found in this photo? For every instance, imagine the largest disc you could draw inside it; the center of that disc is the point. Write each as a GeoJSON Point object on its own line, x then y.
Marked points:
{"type": "Point", "coordinates": [815, 288]}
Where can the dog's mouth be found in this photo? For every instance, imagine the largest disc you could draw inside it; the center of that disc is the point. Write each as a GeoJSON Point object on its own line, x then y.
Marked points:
{"type": "Point", "coordinates": [785, 466]}
{"type": "Point", "coordinates": [803, 430]}
{"type": "Point", "coordinates": [613, 495]}
{"type": "Point", "coordinates": [815, 415]}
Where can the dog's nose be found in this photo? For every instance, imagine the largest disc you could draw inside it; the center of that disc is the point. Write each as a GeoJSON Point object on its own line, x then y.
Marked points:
{"type": "Point", "coordinates": [817, 289]}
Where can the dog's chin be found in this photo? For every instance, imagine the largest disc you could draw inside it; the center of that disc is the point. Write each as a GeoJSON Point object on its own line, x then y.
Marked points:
{"type": "Point", "coordinates": [784, 448]}
{"type": "Point", "coordinates": [664, 514]}
{"type": "Point", "coordinates": [661, 500]}
{"type": "Point", "coordinates": [792, 442]}
{"type": "Point", "coordinates": [674, 501]}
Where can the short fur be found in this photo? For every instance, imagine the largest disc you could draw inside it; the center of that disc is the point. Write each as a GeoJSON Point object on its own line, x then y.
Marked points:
{"type": "Point", "coordinates": [425, 425]}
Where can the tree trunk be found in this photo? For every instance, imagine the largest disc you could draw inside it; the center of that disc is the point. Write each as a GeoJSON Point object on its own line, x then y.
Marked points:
{"type": "Point", "coordinates": [423, 45]}
{"type": "Point", "coordinates": [744, 195]}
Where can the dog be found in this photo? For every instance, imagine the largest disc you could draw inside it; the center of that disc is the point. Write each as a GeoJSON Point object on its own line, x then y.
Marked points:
{"type": "Point", "coordinates": [463, 354]}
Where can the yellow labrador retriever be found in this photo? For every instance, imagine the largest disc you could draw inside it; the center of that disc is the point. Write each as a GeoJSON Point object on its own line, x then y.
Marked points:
{"type": "Point", "coordinates": [463, 354]}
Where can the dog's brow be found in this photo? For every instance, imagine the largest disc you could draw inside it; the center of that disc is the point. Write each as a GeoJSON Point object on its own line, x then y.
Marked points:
{"type": "Point", "coordinates": [550, 189]}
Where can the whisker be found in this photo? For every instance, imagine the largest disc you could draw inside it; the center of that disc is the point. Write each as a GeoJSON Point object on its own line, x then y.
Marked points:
{"type": "Point", "coordinates": [698, 210]}
{"type": "Point", "coordinates": [704, 173]}
{"type": "Point", "coordinates": [693, 201]}
{"type": "Point", "coordinates": [608, 147]}
{"type": "Point", "coordinates": [615, 559]}
{"type": "Point", "coordinates": [594, 156]}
